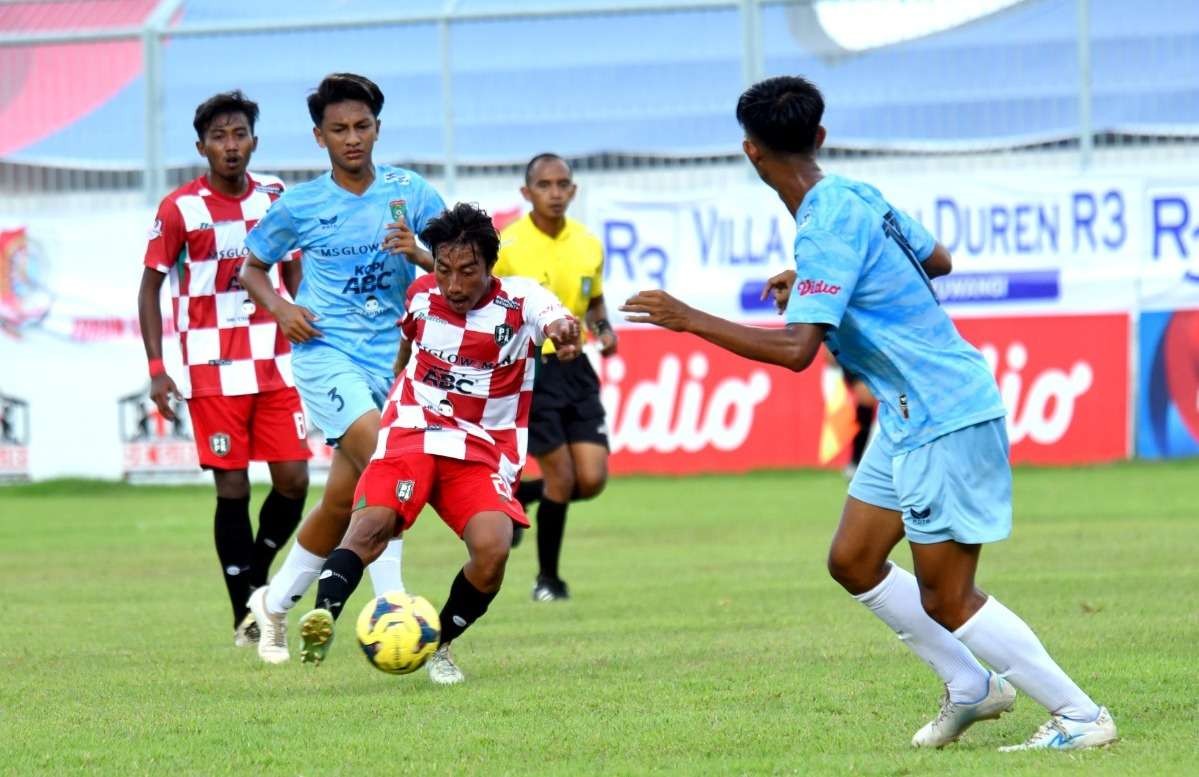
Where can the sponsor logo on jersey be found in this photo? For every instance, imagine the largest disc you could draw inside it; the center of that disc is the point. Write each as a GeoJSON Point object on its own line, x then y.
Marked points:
{"type": "Point", "coordinates": [330, 252]}
{"type": "Point", "coordinates": [372, 307]}
{"type": "Point", "coordinates": [404, 489]}
{"type": "Point", "coordinates": [269, 188]}
{"type": "Point", "coordinates": [328, 223]}
{"type": "Point", "coordinates": [155, 230]}
{"type": "Point", "coordinates": [809, 286]}
{"type": "Point", "coordinates": [919, 516]}
{"type": "Point", "coordinates": [507, 304]}
{"type": "Point", "coordinates": [403, 179]}
{"type": "Point", "coordinates": [368, 278]}
{"type": "Point", "coordinates": [446, 380]}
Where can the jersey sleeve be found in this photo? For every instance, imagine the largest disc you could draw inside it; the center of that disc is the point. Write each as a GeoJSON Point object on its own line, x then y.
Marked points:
{"type": "Point", "coordinates": [274, 238]}
{"type": "Point", "coordinates": [541, 309]}
{"type": "Point", "coordinates": [827, 271]}
{"type": "Point", "coordinates": [428, 207]}
{"type": "Point", "coordinates": [920, 239]}
{"type": "Point", "coordinates": [166, 238]}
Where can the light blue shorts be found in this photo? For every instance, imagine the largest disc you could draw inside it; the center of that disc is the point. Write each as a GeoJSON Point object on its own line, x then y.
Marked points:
{"type": "Point", "coordinates": [957, 487]}
{"type": "Point", "coordinates": [336, 390]}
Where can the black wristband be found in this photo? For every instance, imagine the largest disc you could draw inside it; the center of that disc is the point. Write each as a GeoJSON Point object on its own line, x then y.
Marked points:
{"type": "Point", "coordinates": [601, 326]}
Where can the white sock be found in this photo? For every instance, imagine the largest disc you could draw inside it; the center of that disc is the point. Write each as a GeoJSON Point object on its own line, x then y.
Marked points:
{"type": "Point", "coordinates": [288, 585]}
{"type": "Point", "coordinates": [999, 637]}
{"type": "Point", "coordinates": [385, 570]}
{"type": "Point", "coordinates": [896, 601]}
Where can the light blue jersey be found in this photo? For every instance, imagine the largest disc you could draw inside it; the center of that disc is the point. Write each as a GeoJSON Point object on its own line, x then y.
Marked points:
{"type": "Point", "coordinates": [858, 265]}
{"type": "Point", "coordinates": [354, 286]}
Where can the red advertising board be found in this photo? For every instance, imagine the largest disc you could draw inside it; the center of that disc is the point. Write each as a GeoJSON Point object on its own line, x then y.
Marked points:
{"type": "Point", "coordinates": [679, 405]}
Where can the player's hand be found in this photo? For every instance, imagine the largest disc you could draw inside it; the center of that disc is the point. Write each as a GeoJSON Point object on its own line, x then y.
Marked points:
{"type": "Point", "coordinates": [658, 308]}
{"type": "Point", "coordinates": [564, 332]}
{"type": "Point", "coordinates": [296, 322]}
{"type": "Point", "coordinates": [780, 288]}
{"type": "Point", "coordinates": [162, 391]}
{"type": "Point", "coordinates": [607, 343]}
{"type": "Point", "coordinates": [400, 238]}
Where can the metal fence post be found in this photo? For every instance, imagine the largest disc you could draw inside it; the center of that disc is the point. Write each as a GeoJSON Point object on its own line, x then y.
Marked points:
{"type": "Point", "coordinates": [752, 59]}
{"type": "Point", "coordinates": [154, 174]}
{"type": "Point", "coordinates": [450, 183]}
{"type": "Point", "coordinates": [1086, 130]}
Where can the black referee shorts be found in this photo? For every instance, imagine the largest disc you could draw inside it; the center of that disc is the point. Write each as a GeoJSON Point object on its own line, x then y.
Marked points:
{"type": "Point", "coordinates": [566, 406]}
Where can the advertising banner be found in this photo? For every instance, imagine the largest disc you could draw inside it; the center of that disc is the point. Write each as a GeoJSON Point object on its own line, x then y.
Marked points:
{"type": "Point", "coordinates": [1168, 399]}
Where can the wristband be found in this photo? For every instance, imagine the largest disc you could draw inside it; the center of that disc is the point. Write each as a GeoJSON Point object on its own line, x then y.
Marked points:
{"type": "Point", "coordinates": [156, 368]}
{"type": "Point", "coordinates": [601, 326]}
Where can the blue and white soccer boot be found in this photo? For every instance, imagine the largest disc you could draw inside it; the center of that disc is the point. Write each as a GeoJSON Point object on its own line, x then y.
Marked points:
{"type": "Point", "coordinates": [316, 629]}
{"type": "Point", "coordinates": [954, 718]}
{"type": "Point", "coordinates": [1062, 733]}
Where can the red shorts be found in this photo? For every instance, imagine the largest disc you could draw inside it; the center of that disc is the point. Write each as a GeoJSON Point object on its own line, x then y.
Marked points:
{"type": "Point", "coordinates": [232, 431]}
{"type": "Point", "coordinates": [458, 490]}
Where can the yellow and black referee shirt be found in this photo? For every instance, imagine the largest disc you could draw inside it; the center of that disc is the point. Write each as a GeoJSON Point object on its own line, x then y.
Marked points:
{"type": "Point", "coordinates": [570, 265]}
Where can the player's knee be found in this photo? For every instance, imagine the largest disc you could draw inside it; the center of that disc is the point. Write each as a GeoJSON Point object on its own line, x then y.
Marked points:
{"type": "Point", "coordinates": [589, 484]}
{"type": "Point", "coordinates": [232, 484]}
{"type": "Point", "coordinates": [293, 485]}
{"type": "Point", "coordinates": [369, 535]}
{"type": "Point", "coordinates": [490, 560]}
{"type": "Point", "coordinates": [948, 608]}
{"type": "Point", "coordinates": [853, 573]}
{"type": "Point", "coordinates": [559, 483]}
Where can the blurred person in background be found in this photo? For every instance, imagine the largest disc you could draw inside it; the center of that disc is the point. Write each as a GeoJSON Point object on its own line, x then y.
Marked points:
{"type": "Point", "coordinates": [241, 395]}
{"type": "Point", "coordinates": [567, 430]}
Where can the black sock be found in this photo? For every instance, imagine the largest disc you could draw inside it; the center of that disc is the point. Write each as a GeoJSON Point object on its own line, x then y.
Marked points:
{"type": "Point", "coordinates": [551, 524]}
{"type": "Point", "coordinates": [529, 491]}
{"type": "Point", "coordinates": [277, 519]}
{"type": "Point", "coordinates": [235, 549]}
{"type": "Point", "coordinates": [465, 606]}
{"type": "Point", "coordinates": [865, 419]}
{"type": "Point", "coordinates": [339, 577]}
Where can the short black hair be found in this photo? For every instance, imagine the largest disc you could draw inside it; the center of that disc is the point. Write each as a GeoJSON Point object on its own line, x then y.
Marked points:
{"type": "Point", "coordinates": [340, 88]}
{"type": "Point", "coordinates": [220, 104]}
{"type": "Point", "coordinates": [465, 224]}
{"type": "Point", "coordinates": [782, 113]}
{"type": "Point", "coordinates": [544, 157]}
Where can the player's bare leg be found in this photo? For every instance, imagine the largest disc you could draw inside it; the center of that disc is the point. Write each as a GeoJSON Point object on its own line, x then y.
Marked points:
{"type": "Point", "coordinates": [365, 540]}
{"type": "Point", "coordinates": [858, 561]}
{"type": "Point", "coordinates": [488, 538]}
{"type": "Point", "coordinates": [998, 636]}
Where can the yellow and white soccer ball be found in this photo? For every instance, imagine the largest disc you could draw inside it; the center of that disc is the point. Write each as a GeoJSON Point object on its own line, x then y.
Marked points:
{"type": "Point", "coordinates": [398, 632]}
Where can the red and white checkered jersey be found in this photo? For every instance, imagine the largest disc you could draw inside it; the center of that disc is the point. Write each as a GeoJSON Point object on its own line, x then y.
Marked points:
{"type": "Point", "coordinates": [468, 386]}
{"type": "Point", "coordinates": [229, 346]}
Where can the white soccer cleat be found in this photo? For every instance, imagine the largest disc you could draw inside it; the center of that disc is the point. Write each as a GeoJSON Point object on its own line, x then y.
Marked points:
{"type": "Point", "coordinates": [1062, 733]}
{"type": "Point", "coordinates": [442, 669]}
{"type": "Point", "coordinates": [272, 629]}
{"type": "Point", "coordinates": [954, 718]}
{"type": "Point", "coordinates": [246, 633]}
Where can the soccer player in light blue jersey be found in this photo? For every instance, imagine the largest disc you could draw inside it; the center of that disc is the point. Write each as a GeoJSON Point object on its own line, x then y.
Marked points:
{"type": "Point", "coordinates": [355, 229]}
{"type": "Point", "coordinates": [938, 471]}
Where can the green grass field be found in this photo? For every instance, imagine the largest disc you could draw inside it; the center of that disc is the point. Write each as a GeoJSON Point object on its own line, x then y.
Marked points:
{"type": "Point", "coordinates": [704, 637]}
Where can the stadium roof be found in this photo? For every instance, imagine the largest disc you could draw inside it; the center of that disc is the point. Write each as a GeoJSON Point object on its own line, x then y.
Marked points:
{"type": "Point", "coordinates": [643, 82]}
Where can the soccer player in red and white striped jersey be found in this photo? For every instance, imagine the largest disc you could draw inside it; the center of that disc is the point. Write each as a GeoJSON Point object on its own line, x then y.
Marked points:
{"type": "Point", "coordinates": [454, 431]}
{"type": "Point", "coordinates": [236, 362]}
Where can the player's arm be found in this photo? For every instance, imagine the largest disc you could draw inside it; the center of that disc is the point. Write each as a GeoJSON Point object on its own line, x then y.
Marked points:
{"type": "Point", "coordinates": [402, 356]}
{"type": "Point", "coordinates": [793, 347]}
{"type": "Point", "coordinates": [295, 321]}
{"type": "Point", "coordinates": [597, 322]}
{"type": "Point", "coordinates": [149, 316]}
{"type": "Point", "coordinates": [292, 273]}
{"type": "Point", "coordinates": [938, 263]}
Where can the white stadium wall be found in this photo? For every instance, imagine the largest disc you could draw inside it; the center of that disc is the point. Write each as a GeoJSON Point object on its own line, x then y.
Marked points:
{"type": "Point", "coordinates": [1053, 279]}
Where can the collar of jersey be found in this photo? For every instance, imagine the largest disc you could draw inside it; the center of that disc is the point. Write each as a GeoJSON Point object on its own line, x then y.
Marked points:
{"type": "Point", "coordinates": [251, 185]}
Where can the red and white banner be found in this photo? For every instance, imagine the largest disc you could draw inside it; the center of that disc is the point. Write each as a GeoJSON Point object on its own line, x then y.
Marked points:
{"type": "Point", "coordinates": [679, 405]}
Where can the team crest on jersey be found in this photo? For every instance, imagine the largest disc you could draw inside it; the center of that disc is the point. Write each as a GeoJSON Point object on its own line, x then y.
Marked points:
{"type": "Point", "coordinates": [404, 489]}
{"type": "Point", "coordinates": [219, 444]}
{"type": "Point", "coordinates": [503, 334]}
